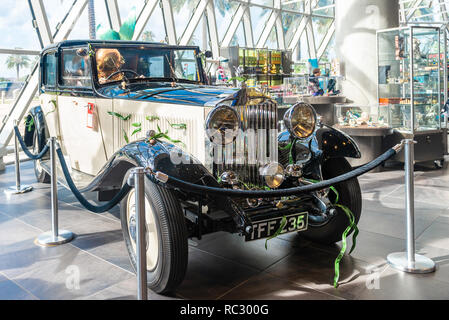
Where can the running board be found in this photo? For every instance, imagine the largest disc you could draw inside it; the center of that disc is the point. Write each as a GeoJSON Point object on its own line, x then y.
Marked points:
{"type": "Point", "coordinates": [82, 180]}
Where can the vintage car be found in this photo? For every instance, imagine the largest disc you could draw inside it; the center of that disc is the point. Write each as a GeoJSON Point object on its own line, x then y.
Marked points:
{"type": "Point", "coordinates": [115, 105]}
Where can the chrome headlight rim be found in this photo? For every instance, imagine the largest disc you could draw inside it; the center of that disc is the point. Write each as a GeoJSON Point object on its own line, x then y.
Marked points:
{"type": "Point", "coordinates": [273, 174]}
{"type": "Point", "coordinates": [210, 116]}
{"type": "Point", "coordinates": [289, 115]}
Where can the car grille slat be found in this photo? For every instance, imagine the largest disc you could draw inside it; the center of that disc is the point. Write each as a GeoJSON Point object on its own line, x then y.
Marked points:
{"type": "Point", "coordinates": [257, 142]}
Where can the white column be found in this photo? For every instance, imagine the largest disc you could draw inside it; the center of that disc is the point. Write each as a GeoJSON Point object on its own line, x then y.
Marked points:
{"type": "Point", "coordinates": [356, 22]}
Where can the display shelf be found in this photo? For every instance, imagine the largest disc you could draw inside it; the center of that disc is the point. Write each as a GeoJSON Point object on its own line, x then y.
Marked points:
{"type": "Point", "coordinates": [397, 65]}
{"type": "Point", "coordinates": [410, 84]}
{"type": "Point", "coordinates": [264, 68]}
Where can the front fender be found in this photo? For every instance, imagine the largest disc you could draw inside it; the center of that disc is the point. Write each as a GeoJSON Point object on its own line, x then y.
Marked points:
{"type": "Point", "coordinates": [161, 156]}
{"type": "Point", "coordinates": [169, 159]}
{"type": "Point", "coordinates": [336, 144]}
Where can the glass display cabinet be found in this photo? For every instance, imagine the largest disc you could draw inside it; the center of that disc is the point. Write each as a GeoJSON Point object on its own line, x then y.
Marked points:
{"type": "Point", "coordinates": [410, 83]}
{"type": "Point", "coordinates": [296, 87]}
{"type": "Point", "coordinates": [362, 116]}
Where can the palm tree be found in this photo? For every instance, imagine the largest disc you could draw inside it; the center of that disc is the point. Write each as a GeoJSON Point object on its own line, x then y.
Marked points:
{"type": "Point", "coordinates": [17, 61]}
{"type": "Point", "coordinates": [148, 36]}
{"type": "Point", "coordinates": [91, 15]}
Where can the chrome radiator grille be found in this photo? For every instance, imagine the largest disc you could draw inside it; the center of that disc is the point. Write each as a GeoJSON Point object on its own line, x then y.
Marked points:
{"type": "Point", "coordinates": [255, 146]}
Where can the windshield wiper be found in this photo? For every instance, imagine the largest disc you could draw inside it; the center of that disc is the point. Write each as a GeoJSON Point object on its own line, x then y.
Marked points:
{"type": "Point", "coordinates": [172, 71]}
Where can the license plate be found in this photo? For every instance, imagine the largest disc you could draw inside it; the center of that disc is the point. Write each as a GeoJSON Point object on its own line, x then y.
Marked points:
{"type": "Point", "coordinates": [266, 228]}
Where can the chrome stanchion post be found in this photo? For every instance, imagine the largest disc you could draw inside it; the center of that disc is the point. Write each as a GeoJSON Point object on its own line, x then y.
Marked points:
{"type": "Point", "coordinates": [141, 243]}
{"type": "Point", "coordinates": [18, 188]}
{"type": "Point", "coordinates": [409, 261]}
{"type": "Point", "coordinates": [55, 236]}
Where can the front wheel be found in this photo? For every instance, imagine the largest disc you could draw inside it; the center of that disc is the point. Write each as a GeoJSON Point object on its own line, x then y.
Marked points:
{"type": "Point", "coordinates": [350, 196]}
{"type": "Point", "coordinates": [166, 236]}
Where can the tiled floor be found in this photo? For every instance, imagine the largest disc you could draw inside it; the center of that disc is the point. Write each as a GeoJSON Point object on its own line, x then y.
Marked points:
{"type": "Point", "coordinates": [223, 266]}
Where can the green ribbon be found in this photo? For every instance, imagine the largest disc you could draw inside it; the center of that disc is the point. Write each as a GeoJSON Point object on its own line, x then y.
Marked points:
{"type": "Point", "coordinates": [352, 225]}
{"type": "Point", "coordinates": [278, 231]}
{"type": "Point", "coordinates": [346, 210]}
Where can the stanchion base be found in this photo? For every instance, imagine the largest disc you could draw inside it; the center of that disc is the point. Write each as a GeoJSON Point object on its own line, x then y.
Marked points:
{"type": "Point", "coordinates": [422, 264]}
{"type": "Point", "coordinates": [47, 239]}
{"type": "Point", "coordinates": [22, 189]}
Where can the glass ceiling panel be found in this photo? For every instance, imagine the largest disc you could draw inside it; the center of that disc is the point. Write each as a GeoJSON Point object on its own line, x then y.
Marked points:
{"type": "Point", "coordinates": [320, 27]}
{"type": "Point", "coordinates": [296, 5]}
{"type": "Point", "coordinates": [224, 11]}
{"type": "Point", "coordinates": [329, 53]}
{"type": "Point", "coordinates": [272, 41]}
{"type": "Point", "coordinates": [182, 12]}
{"type": "Point", "coordinates": [290, 23]}
{"type": "Point", "coordinates": [238, 39]}
{"type": "Point", "coordinates": [259, 17]}
{"type": "Point", "coordinates": [154, 30]}
{"type": "Point", "coordinates": [264, 2]}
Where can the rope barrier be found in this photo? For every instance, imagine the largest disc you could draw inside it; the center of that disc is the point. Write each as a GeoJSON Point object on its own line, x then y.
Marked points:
{"type": "Point", "coordinates": [192, 187]}
{"type": "Point", "coordinates": [195, 188]}
{"type": "Point", "coordinates": [86, 204]}
{"type": "Point", "coordinates": [25, 148]}
{"type": "Point", "coordinates": [97, 209]}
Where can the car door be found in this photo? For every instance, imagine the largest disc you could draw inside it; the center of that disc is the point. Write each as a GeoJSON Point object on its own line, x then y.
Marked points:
{"type": "Point", "coordinates": [81, 132]}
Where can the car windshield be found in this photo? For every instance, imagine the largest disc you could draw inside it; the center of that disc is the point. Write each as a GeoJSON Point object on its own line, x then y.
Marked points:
{"type": "Point", "coordinates": [128, 63]}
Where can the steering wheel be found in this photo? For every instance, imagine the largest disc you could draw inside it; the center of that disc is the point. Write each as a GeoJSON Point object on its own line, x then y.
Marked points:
{"type": "Point", "coordinates": [121, 71]}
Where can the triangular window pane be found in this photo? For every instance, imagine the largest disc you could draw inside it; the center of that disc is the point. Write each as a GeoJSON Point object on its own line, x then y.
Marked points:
{"type": "Point", "coordinates": [182, 12]}
{"type": "Point", "coordinates": [320, 28]}
{"type": "Point", "coordinates": [290, 23]}
{"type": "Point", "coordinates": [224, 11]}
{"type": "Point", "coordinates": [272, 40]}
{"type": "Point", "coordinates": [238, 39]}
{"type": "Point", "coordinates": [259, 17]}
{"type": "Point", "coordinates": [154, 30]}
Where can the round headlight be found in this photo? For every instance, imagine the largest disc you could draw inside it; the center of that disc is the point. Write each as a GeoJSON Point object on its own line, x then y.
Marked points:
{"type": "Point", "coordinates": [222, 125]}
{"type": "Point", "coordinates": [300, 120]}
{"type": "Point", "coordinates": [273, 174]}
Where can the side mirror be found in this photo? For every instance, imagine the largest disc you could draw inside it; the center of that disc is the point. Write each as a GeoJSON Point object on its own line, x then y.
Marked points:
{"type": "Point", "coordinates": [208, 54]}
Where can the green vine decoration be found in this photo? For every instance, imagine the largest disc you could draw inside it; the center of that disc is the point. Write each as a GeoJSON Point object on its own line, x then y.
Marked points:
{"type": "Point", "coordinates": [159, 134]}
{"type": "Point", "coordinates": [138, 127]}
{"type": "Point", "coordinates": [152, 118]}
{"type": "Point", "coordinates": [29, 123]}
{"type": "Point", "coordinates": [90, 51]}
{"type": "Point", "coordinates": [118, 115]}
{"type": "Point", "coordinates": [181, 126]}
{"type": "Point", "coordinates": [125, 136]}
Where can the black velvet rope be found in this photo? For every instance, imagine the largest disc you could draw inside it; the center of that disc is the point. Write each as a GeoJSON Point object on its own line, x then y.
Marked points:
{"type": "Point", "coordinates": [25, 148]}
{"type": "Point", "coordinates": [191, 187]}
{"type": "Point", "coordinates": [86, 204]}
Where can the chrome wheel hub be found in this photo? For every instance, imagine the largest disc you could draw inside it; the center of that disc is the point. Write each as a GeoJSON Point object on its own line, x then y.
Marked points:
{"type": "Point", "coordinates": [151, 230]}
